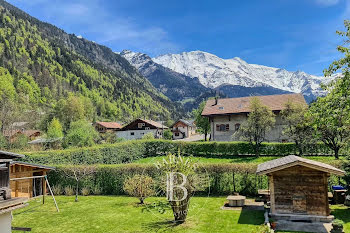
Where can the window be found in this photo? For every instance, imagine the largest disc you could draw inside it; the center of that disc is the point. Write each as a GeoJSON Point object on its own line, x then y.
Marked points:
{"type": "Point", "coordinates": [222, 127]}
{"type": "Point", "coordinates": [221, 108]}
{"type": "Point", "coordinates": [147, 128]}
{"type": "Point", "coordinates": [177, 134]}
{"type": "Point", "coordinates": [237, 126]}
{"type": "Point", "coordinates": [140, 125]}
{"type": "Point", "coordinates": [132, 133]}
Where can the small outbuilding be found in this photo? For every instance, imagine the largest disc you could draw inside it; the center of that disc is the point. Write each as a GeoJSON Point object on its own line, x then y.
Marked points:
{"type": "Point", "coordinates": [298, 188]}
{"type": "Point", "coordinates": [31, 187]}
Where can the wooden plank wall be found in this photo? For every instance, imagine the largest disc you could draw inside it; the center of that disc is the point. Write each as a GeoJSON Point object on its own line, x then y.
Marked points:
{"type": "Point", "coordinates": [300, 190]}
{"type": "Point", "coordinates": [21, 188]}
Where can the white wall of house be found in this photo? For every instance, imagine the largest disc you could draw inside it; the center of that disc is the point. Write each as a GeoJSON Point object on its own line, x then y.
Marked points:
{"type": "Point", "coordinates": [229, 134]}
{"type": "Point", "coordinates": [5, 222]}
{"type": "Point", "coordinates": [138, 134]}
{"type": "Point", "coordinates": [182, 134]}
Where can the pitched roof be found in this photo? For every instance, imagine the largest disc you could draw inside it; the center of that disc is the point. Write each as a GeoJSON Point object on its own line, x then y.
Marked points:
{"type": "Point", "coordinates": [293, 160]}
{"type": "Point", "coordinates": [186, 122]}
{"type": "Point", "coordinates": [28, 133]}
{"type": "Point", "coordinates": [154, 123]}
{"type": "Point", "coordinates": [110, 125]}
{"type": "Point", "coordinates": [242, 105]}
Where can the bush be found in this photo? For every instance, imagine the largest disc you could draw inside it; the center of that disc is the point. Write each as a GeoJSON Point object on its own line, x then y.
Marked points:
{"type": "Point", "coordinates": [148, 136]}
{"type": "Point", "coordinates": [126, 152]}
{"type": "Point", "coordinates": [96, 190]}
{"type": "Point", "coordinates": [57, 189]}
{"type": "Point", "coordinates": [69, 191]}
{"type": "Point", "coordinates": [85, 191]}
{"type": "Point", "coordinates": [140, 186]}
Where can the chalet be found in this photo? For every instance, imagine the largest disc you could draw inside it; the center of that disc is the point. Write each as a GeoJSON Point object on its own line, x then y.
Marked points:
{"type": "Point", "coordinates": [7, 202]}
{"type": "Point", "coordinates": [298, 189]}
{"type": "Point", "coordinates": [140, 127]}
{"type": "Point", "coordinates": [11, 135]}
{"type": "Point", "coordinates": [227, 115]}
{"type": "Point", "coordinates": [105, 127]}
{"type": "Point", "coordinates": [183, 129]}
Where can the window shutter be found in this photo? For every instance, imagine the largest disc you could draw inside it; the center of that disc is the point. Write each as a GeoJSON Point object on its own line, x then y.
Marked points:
{"type": "Point", "coordinates": [227, 127]}
{"type": "Point", "coordinates": [217, 127]}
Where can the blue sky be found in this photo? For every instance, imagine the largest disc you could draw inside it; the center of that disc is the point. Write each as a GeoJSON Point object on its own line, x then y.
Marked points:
{"type": "Point", "coordinates": [290, 34]}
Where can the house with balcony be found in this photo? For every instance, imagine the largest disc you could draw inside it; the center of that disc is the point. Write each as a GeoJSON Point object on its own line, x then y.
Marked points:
{"type": "Point", "coordinates": [227, 115]}
{"type": "Point", "coordinates": [183, 129]}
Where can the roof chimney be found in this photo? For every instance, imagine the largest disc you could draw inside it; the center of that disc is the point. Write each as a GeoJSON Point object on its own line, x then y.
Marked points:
{"type": "Point", "coordinates": [216, 100]}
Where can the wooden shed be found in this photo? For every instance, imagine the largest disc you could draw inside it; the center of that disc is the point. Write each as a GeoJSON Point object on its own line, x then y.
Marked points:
{"type": "Point", "coordinates": [299, 188]}
{"type": "Point", "coordinates": [30, 187]}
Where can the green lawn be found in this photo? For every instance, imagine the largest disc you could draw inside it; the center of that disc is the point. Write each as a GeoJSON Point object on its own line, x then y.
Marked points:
{"type": "Point", "coordinates": [237, 159]}
{"type": "Point", "coordinates": [122, 214]}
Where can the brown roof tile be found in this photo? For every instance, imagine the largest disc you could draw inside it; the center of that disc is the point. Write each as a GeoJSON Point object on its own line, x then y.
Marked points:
{"type": "Point", "coordinates": [241, 105]}
{"type": "Point", "coordinates": [110, 125]}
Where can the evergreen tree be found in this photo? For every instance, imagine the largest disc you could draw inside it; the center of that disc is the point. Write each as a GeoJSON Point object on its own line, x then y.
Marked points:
{"type": "Point", "coordinates": [54, 129]}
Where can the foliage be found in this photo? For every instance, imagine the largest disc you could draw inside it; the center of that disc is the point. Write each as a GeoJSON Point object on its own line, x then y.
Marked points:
{"type": "Point", "coordinates": [68, 190]}
{"type": "Point", "coordinates": [330, 114]}
{"type": "Point", "coordinates": [148, 136]}
{"type": "Point", "coordinates": [81, 133]}
{"type": "Point", "coordinates": [260, 120]}
{"type": "Point", "coordinates": [110, 137]}
{"type": "Point", "coordinates": [41, 67]}
{"type": "Point", "coordinates": [85, 191]}
{"type": "Point", "coordinates": [77, 173]}
{"type": "Point", "coordinates": [202, 122]}
{"type": "Point", "coordinates": [346, 168]}
{"type": "Point", "coordinates": [129, 151]}
{"type": "Point", "coordinates": [54, 129]}
{"type": "Point", "coordinates": [140, 186]}
{"type": "Point", "coordinates": [20, 142]}
{"type": "Point", "coordinates": [57, 189]}
{"type": "Point", "coordinates": [168, 135]}
{"type": "Point", "coordinates": [298, 125]}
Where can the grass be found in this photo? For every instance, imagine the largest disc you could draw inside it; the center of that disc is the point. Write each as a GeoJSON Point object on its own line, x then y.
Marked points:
{"type": "Point", "coordinates": [123, 214]}
{"type": "Point", "coordinates": [237, 159]}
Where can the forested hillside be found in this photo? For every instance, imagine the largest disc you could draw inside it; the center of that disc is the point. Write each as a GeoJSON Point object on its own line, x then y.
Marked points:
{"type": "Point", "coordinates": [42, 67]}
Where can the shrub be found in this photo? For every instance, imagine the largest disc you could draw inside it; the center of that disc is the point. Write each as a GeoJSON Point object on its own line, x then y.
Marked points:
{"type": "Point", "coordinates": [57, 189]}
{"type": "Point", "coordinates": [69, 191]}
{"type": "Point", "coordinates": [140, 186]}
{"type": "Point", "coordinates": [126, 152]}
{"type": "Point", "coordinates": [96, 190]}
{"type": "Point", "coordinates": [85, 191]}
{"type": "Point", "coordinates": [148, 136]}
{"type": "Point", "coordinates": [168, 135]}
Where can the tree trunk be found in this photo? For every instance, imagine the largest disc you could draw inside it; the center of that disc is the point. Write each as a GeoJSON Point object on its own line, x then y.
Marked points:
{"type": "Point", "coordinates": [336, 152]}
{"type": "Point", "coordinates": [77, 192]}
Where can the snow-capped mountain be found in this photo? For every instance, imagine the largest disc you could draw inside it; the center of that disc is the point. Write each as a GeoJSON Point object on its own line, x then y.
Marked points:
{"type": "Point", "coordinates": [215, 72]}
{"type": "Point", "coordinates": [176, 86]}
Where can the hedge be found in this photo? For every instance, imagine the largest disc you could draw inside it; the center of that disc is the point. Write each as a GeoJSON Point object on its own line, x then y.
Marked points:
{"type": "Point", "coordinates": [126, 152]}
{"type": "Point", "coordinates": [224, 178]}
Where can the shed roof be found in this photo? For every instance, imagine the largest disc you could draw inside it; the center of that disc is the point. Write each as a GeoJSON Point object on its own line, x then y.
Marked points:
{"type": "Point", "coordinates": [32, 165]}
{"type": "Point", "coordinates": [242, 105]}
{"type": "Point", "coordinates": [293, 160]}
{"type": "Point", "coordinates": [9, 155]}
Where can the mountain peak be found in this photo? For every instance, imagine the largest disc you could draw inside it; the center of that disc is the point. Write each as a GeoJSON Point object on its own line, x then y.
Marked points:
{"type": "Point", "coordinates": [213, 71]}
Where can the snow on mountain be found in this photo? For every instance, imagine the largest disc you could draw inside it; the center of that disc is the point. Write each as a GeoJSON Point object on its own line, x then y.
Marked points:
{"type": "Point", "coordinates": [176, 86]}
{"type": "Point", "coordinates": [213, 72]}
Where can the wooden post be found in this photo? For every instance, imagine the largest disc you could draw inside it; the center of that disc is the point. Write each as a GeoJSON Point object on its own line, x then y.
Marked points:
{"type": "Point", "coordinates": [272, 194]}
{"type": "Point", "coordinates": [325, 182]}
{"type": "Point", "coordinates": [43, 183]}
